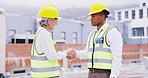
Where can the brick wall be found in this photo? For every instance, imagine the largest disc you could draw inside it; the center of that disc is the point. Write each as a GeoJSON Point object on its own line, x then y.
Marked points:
{"type": "Point", "coordinates": [131, 51]}
{"type": "Point", "coordinates": [18, 55]}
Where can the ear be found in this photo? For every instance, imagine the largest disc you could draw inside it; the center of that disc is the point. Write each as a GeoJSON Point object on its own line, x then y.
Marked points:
{"type": "Point", "coordinates": [103, 17]}
{"type": "Point", "coordinates": [49, 21]}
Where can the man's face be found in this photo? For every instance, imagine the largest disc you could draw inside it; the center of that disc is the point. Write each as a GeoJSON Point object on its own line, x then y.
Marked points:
{"type": "Point", "coordinates": [96, 19]}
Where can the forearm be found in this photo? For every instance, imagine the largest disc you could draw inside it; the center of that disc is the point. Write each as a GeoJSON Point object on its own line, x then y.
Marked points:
{"type": "Point", "coordinates": [116, 66]}
{"type": "Point", "coordinates": [56, 55]}
{"type": "Point", "coordinates": [81, 54]}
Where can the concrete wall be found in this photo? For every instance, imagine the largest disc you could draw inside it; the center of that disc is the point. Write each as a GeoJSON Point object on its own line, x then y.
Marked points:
{"type": "Point", "coordinates": [69, 27]}
{"type": "Point", "coordinates": [20, 23]}
{"type": "Point", "coordinates": [18, 55]}
{"type": "Point", "coordinates": [86, 29]}
{"type": "Point", "coordinates": [2, 41]}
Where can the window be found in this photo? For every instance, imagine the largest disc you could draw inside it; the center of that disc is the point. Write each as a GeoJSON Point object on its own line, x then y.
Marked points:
{"type": "Point", "coordinates": [138, 31]}
{"type": "Point", "coordinates": [74, 38]}
{"type": "Point", "coordinates": [133, 14]}
{"type": "Point", "coordinates": [141, 13]}
{"type": "Point", "coordinates": [30, 41]}
{"type": "Point", "coordinates": [20, 41]}
{"type": "Point", "coordinates": [12, 32]}
{"type": "Point", "coordinates": [63, 35]}
{"type": "Point", "coordinates": [28, 32]}
{"type": "Point", "coordinates": [119, 16]}
{"type": "Point", "coordinates": [126, 14]}
{"type": "Point", "coordinates": [143, 4]}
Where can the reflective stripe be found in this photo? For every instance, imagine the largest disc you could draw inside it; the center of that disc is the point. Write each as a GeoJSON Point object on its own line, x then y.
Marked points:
{"type": "Point", "coordinates": [107, 29]}
{"type": "Point", "coordinates": [41, 67]}
{"type": "Point", "coordinates": [99, 49]}
{"type": "Point", "coordinates": [50, 69]}
{"type": "Point", "coordinates": [39, 58]}
{"type": "Point", "coordinates": [102, 53]}
{"type": "Point", "coordinates": [91, 34]}
{"type": "Point", "coordinates": [34, 40]}
{"type": "Point", "coordinates": [101, 60]}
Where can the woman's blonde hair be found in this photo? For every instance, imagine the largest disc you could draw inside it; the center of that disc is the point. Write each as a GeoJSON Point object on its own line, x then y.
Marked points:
{"type": "Point", "coordinates": [43, 22]}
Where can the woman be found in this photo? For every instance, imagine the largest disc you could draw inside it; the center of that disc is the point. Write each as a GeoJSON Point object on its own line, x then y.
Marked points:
{"type": "Point", "coordinates": [44, 58]}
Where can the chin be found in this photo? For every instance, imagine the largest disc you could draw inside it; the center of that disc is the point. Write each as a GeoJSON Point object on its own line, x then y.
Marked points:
{"type": "Point", "coordinates": [51, 28]}
{"type": "Point", "coordinates": [93, 24]}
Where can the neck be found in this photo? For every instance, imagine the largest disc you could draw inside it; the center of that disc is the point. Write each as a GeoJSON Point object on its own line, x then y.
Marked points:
{"type": "Point", "coordinates": [46, 28]}
{"type": "Point", "coordinates": [100, 25]}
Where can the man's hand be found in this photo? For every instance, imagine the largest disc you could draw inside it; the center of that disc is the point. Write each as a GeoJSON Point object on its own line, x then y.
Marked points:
{"type": "Point", "coordinates": [71, 54]}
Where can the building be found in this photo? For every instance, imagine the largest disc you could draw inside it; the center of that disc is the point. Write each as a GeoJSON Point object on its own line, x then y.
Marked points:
{"type": "Point", "coordinates": [2, 40]}
{"type": "Point", "coordinates": [21, 30]}
{"type": "Point", "coordinates": [136, 23]}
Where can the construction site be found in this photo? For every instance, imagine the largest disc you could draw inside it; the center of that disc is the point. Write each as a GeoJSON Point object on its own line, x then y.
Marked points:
{"type": "Point", "coordinates": [15, 48]}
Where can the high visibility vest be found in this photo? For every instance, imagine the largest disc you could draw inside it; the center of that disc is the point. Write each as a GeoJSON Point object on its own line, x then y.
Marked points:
{"type": "Point", "coordinates": [102, 55]}
{"type": "Point", "coordinates": [41, 67]}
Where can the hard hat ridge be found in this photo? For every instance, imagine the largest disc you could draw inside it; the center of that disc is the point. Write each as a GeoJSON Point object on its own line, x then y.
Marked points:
{"type": "Point", "coordinates": [98, 7]}
{"type": "Point", "coordinates": [49, 11]}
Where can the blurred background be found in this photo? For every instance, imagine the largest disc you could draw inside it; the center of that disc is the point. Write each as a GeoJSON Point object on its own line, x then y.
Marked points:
{"type": "Point", "coordinates": [19, 22]}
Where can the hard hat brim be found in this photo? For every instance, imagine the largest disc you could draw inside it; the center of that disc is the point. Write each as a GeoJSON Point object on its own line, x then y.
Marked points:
{"type": "Point", "coordinates": [59, 18]}
{"type": "Point", "coordinates": [92, 13]}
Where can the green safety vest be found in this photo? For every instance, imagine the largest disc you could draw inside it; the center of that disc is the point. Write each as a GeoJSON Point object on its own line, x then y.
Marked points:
{"type": "Point", "coordinates": [102, 55]}
{"type": "Point", "coordinates": [40, 66]}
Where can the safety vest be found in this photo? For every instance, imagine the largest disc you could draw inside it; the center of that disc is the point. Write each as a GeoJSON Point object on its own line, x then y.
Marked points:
{"type": "Point", "coordinates": [41, 67]}
{"type": "Point", "coordinates": [102, 56]}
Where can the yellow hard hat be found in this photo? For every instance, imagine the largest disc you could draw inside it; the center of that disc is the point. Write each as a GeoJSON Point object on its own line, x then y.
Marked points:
{"type": "Point", "coordinates": [98, 7]}
{"type": "Point", "coordinates": [49, 11]}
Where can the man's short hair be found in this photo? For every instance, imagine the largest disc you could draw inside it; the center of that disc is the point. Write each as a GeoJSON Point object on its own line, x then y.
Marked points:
{"type": "Point", "coordinates": [106, 13]}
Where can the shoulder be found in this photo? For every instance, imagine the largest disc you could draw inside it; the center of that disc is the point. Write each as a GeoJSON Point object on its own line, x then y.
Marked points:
{"type": "Point", "coordinates": [114, 31]}
{"type": "Point", "coordinates": [44, 33]}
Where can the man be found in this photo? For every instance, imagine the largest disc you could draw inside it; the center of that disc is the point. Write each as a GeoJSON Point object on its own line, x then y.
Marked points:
{"type": "Point", "coordinates": [44, 58]}
{"type": "Point", "coordinates": [104, 45]}
{"type": "Point", "coordinates": [1, 75]}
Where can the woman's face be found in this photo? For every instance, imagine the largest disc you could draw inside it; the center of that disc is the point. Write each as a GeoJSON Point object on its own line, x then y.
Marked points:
{"type": "Point", "coordinates": [52, 23]}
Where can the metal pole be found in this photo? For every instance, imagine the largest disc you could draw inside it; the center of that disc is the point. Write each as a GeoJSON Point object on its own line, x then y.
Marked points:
{"type": "Point", "coordinates": [141, 49]}
{"type": "Point", "coordinates": [81, 32]}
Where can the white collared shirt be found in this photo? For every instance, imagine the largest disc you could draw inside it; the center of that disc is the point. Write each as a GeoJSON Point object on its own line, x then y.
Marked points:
{"type": "Point", "coordinates": [114, 39]}
{"type": "Point", "coordinates": [43, 45]}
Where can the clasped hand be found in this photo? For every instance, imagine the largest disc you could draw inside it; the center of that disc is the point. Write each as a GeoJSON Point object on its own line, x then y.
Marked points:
{"type": "Point", "coordinates": [71, 54]}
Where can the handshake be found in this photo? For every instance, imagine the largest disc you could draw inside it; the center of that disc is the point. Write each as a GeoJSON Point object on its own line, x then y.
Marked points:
{"type": "Point", "coordinates": [71, 54]}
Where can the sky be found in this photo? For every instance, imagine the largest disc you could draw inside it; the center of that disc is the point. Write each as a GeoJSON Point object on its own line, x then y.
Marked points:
{"type": "Point", "coordinates": [62, 4]}
{"type": "Point", "coordinates": [68, 8]}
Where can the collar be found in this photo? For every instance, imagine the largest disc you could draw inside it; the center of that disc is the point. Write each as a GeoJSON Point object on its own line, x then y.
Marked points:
{"type": "Point", "coordinates": [41, 28]}
{"type": "Point", "coordinates": [106, 24]}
